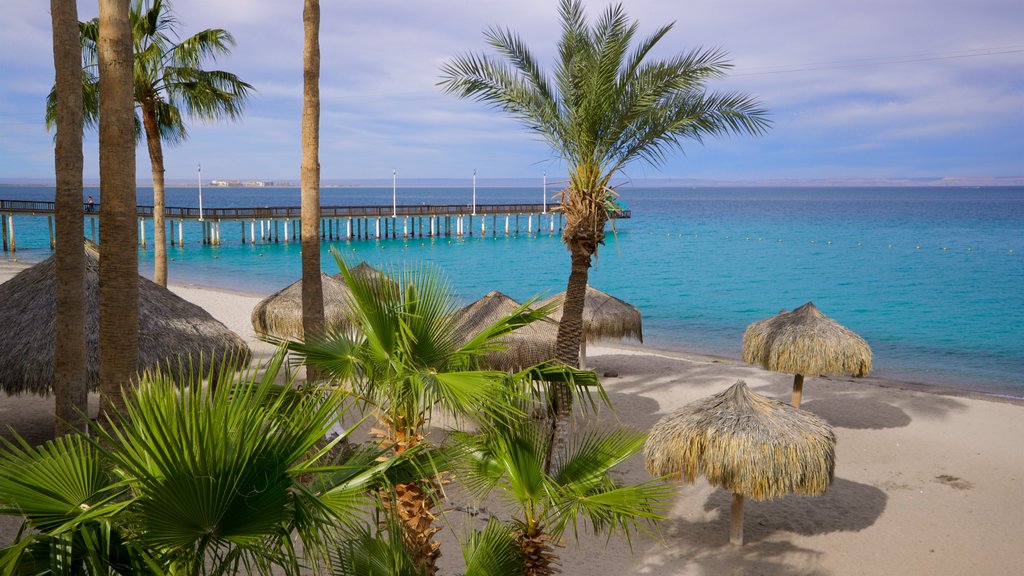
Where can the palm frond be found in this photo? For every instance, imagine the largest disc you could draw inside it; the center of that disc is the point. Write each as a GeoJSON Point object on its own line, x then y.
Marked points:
{"type": "Point", "coordinates": [492, 551]}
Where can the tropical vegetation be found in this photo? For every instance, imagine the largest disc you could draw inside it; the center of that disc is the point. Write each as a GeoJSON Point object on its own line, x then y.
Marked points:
{"type": "Point", "coordinates": [193, 478]}
{"type": "Point", "coordinates": [607, 103]}
{"type": "Point", "coordinates": [169, 83]}
{"type": "Point", "coordinates": [405, 359]}
{"type": "Point", "coordinates": [579, 489]}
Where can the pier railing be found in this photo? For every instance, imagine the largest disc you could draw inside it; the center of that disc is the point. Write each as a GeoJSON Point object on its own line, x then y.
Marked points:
{"type": "Point", "coordinates": [274, 212]}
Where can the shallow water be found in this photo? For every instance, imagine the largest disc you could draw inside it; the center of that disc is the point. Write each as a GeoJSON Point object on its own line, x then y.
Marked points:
{"type": "Point", "coordinates": [930, 277]}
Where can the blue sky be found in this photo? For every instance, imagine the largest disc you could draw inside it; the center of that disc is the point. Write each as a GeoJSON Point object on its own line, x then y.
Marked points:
{"type": "Point", "coordinates": [856, 89]}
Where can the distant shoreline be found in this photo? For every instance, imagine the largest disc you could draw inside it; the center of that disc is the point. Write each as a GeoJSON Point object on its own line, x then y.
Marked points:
{"type": "Point", "coordinates": [1009, 182]}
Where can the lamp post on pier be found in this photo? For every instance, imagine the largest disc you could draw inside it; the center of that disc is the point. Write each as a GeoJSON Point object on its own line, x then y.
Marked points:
{"type": "Point", "coordinates": [199, 171]}
{"type": "Point", "coordinates": [394, 193]}
{"type": "Point", "coordinates": [474, 191]}
{"type": "Point", "coordinates": [545, 192]}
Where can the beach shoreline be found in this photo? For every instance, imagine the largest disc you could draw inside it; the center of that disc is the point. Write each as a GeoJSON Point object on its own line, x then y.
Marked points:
{"type": "Point", "coordinates": [9, 268]}
{"type": "Point", "coordinates": [927, 481]}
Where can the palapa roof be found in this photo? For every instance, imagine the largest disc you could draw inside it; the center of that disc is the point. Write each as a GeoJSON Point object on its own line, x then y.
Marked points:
{"type": "Point", "coordinates": [806, 342]}
{"type": "Point", "coordinates": [170, 329]}
{"type": "Point", "coordinates": [746, 443]}
{"type": "Point", "coordinates": [280, 314]}
{"type": "Point", "coordinates": [605, 317]}
{"type": "Point", "coordinates": [524, 347]}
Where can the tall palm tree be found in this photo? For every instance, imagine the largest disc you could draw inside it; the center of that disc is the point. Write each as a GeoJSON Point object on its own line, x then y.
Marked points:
{"type": "Point", "coordinates": [312, 288]}
{"type": "Point", "coordinates": [512, 456]}
{"type": "Point", "coordinates": [405, 360]}
{"type": "Point", "coordinates": [70, 386]}
{"type": "Point", "coordinates": [119, 255]}
{"type": "Point", "coordinates": [605, 105]}
{"type": "Point", "coordinates": [170, 83]}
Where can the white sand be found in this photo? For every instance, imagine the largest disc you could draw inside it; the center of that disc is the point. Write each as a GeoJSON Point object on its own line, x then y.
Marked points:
{"type": "Point", "coordinates": [926, 483]}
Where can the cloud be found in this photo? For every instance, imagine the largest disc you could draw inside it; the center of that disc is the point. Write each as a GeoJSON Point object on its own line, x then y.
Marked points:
{"type": "Point", "coordinates": [847, 83]}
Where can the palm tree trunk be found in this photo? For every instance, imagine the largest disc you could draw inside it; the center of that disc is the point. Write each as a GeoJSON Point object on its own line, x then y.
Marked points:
{"type": "Point", "coordinates": [119, 257]}
{"type": "Point", "coordinates": [156, 161]}
{"type": "Point", "coordinates": [567, 350]}
{"type": "Point", "coordinates": [413, 503]}
{"type": "Point", "coordinates": [312, 289]}
{"type": "Point", "coordinates": [70, 377]}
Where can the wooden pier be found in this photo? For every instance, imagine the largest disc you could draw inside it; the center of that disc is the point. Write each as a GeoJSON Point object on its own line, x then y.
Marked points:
{"type": "Point", "coordinates": [281, 223]}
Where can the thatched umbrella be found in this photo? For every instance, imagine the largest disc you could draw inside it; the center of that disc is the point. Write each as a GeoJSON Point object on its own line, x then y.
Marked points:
{"type": "Point", "coordinates": [805, 342]}
{"type": "Point", "coordinates": [746, 443]}
{"type": "Point", "coordinates": [280, 314]}
{"type": "Point", "coordinates": [605, 317]}
{"type": "Point", "coordinates": [366, 271]}
{"type": "Point", "coordinates": [171, 330]}
{"type": "Point", "coordinates": [524, 347]}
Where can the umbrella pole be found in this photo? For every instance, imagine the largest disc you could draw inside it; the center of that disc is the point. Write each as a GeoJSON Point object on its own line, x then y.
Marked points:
{"type": "Point", "coordinates": [736, 528]}
{"type": "Point", "coordinates": [583, 352]}
{"type": "Point", "coordinates": [798, 389]}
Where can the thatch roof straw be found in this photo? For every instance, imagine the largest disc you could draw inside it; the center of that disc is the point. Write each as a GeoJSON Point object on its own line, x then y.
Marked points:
{"type": "Point", "coordinates": [605, 317]}
{"type": "Point", "coordinates": [364, 270]}
{"type": "Point", "coordinates": [524, 347]}
{"type": "Point", "coordinates": [171, 329]}
{"type": "Point", "coordinates": [280, 314]}
{"type": "Point", "coordinates": [746, 443]}
{"type": "Point", "coordinates": [806, 342]}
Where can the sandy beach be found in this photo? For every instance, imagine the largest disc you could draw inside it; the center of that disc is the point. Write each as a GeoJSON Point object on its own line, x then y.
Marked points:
{"type": "Point", "coordinates": [928, 481]}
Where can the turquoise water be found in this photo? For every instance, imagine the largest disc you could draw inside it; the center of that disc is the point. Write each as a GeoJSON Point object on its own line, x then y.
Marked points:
{"type": "Point", "coordinates": [930, 277]}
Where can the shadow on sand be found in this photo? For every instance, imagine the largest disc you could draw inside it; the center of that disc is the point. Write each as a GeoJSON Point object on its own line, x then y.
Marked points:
{"type": "Point", "coordinates": [847, 506]}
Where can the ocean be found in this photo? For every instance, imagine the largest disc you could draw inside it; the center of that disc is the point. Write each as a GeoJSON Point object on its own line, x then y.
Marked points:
{"type": "Point", "coordinates": [930, 277]}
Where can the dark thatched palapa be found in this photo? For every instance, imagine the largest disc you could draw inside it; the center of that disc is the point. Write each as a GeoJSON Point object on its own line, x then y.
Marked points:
{"type": "Point", "coordinates": [605, 317]}
{"type": "Point", "coordinates": [171, 330]}
{"type": "Point", "coordinates": [524, 347]}
{"type": "Point", "coordinates": [746, 443]}
{"type": "Point", "coordinates": [805, 342]}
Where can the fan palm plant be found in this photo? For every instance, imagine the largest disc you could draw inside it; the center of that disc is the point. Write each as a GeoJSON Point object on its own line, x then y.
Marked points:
{"type": "Point", "coordinates": [170, 83]}
{"type": "Point", "coordinates": [605, 105]}
{"type": "Point", "coordinates": [193, 480]}
{"type": "Point", "coordinates": [512, 456]}
{"type": "Point", "coordinates": [405, 360]}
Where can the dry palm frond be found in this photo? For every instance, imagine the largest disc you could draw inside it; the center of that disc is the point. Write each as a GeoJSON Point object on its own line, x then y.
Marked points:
{"type": "Point", "coordinates": [586, 212]}
{"type": "Point", "coordinates": [806, 342]}
{"type": "Point", "coordinates": [746, 443]}
{"type": "Point", "coordinates": [539, 557]}
{"type": "Point", "coordinates": [175, 335]}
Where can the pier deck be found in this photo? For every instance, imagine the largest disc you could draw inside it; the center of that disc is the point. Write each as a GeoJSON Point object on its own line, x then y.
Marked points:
{"type": "Point", "coordinates": [337, 222]}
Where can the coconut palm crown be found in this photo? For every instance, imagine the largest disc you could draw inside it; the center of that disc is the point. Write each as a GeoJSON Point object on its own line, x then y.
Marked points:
{"type": "Point", "coordinates": [605, 105]}
{"type": "Point", "coordinates": [171, 83]}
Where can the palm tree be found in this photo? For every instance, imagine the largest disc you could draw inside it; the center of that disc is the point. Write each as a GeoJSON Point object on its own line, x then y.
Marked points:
{"type": "Point", "coordinates": [69, 372]}
{"type": "Point", "coordinates": [197, 479]}
{"type": "Point", "coordinates": [312, 289]}
{"type": "Point", "coordinates": [512, 456]}
{"type": "Point", "coordinates": [404, 359]}
{"type": "Point", "coordinates": [169, 84]}
{"type": "Point", "coordinates": [119, 260]}
{"type": "Point", "coordinates": [605, 105]}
